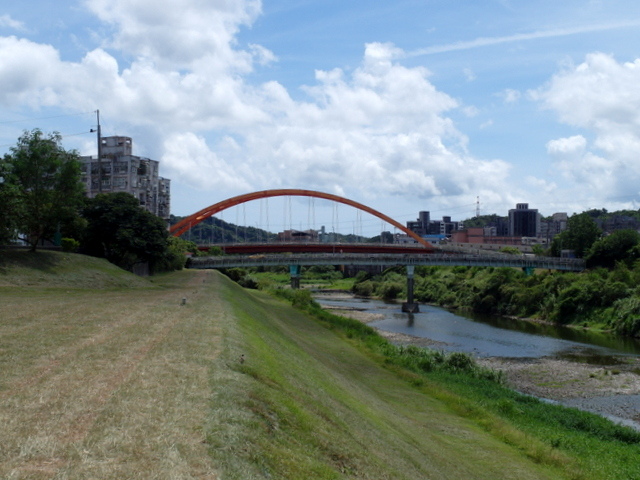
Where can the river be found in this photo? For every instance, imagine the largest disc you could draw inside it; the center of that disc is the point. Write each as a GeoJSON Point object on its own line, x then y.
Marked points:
{"type": "Point", "coordinates": [599, 372]}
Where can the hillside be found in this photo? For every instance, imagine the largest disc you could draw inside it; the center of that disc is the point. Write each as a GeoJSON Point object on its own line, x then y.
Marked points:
{"type": "Point", "coordinates": [58, 270]}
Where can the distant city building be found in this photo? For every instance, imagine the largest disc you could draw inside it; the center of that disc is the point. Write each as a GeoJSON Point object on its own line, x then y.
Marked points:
{"type": "Point", "coordinates": [403, 239]}
{"type": "Point", "coordinates": [299, 236]}
{"type": "Point", "coordinates": [479, 236]}
{"type": "Point", "coordinates": [550, 228]}
{"type": "Point", "coordinates": [524, 221]}
{"type": "Point", "coordinates": [499, 227]}
{"type": "Point", "coordinates": [617, 222]}
{"type": "Point", "coordinates": [425, 226]}
{"type": "Point", "coordinates": [118, 170]}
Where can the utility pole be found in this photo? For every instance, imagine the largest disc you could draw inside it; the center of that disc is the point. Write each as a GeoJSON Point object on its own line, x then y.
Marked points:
{"type": "Point", "coordinates": [99, 153]}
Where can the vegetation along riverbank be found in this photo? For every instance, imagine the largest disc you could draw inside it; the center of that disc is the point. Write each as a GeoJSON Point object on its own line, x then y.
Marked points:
{"type": "Point", "coordinates": [106, 375]}
{"type": "Point", "coordinates": [601, 298]}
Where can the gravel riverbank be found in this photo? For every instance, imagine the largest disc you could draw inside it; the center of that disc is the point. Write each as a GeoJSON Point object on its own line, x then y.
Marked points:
{"type": "Point", "coordinates": [609, 390]}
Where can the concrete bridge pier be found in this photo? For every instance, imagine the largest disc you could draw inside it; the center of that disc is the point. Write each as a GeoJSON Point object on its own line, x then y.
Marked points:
{"type": "Point", "coordinates": [294, 272]}
{"type": "Point", "coordinates": [410, 306]}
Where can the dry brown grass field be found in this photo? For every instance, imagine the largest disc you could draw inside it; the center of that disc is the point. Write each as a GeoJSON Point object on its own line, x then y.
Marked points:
{"type": "Point", "coordinates": [103, 383]}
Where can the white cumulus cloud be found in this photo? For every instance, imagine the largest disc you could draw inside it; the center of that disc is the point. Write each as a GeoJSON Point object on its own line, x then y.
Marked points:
{"type": "Point", "coordinates": [601, 96]}
{"type": "Point", "coordinates": [175, 69]}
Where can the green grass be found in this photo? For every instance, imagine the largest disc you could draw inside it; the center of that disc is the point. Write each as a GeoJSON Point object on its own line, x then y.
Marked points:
{"type": "Point", "coordinates": [20, 268]}
{"type": "Point", "coordinates": [584, 444]}
{"type": "Point", "coordinates": [600, 448]}
{"type": "Point", "coordinates": [307, 403]}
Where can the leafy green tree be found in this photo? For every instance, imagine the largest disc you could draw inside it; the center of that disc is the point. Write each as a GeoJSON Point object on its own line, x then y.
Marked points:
{"type": "Point", "coordinates": [9, 204]}
{"type": "Point", "coordinates": [581, 233]}
{"type": "Point", "coordinates": [175, 257]}
{"type": "Point", "coordinates": [125, 234]}
{"type": "Point", "coordinates": [620, 246]}
{"type": "Point", "coordinates": [483, 221]}
{"type": "Point", "coordinates": [44, 182]}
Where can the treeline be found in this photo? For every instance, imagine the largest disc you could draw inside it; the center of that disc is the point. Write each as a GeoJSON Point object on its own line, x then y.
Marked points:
{"type": "Point", "coordinates": [43, 202]}
{"type": "Point", "coordinates": [215, 230]}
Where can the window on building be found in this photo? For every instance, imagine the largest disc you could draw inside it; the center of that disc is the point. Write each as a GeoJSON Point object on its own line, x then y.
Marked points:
{"type": "Point", "coordinates": [119, 182]}
{"type": "Point", "coordinates": [120, 167]}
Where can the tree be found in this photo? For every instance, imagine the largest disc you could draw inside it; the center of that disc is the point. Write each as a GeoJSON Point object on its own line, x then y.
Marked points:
{"type": "Point", "coordinates": [44, 182]}
{"type": "Point", "coordinates": [620, 246]}
{"type": "Point", "coordinates": [122, 232]}
{"type": "Point", "coordinates": [581, 233]}
{"type": "Point", "coordinates": [9, 204]}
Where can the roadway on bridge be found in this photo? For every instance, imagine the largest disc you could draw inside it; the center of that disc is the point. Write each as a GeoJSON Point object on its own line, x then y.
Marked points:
{"type": "Point", "coordinates": [389, 259]}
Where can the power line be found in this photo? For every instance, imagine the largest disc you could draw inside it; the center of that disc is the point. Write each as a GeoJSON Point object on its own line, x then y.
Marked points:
{"type": "Point", "coordinates": [62, 136]}
{"type": "Point", "coordinates": [7, 122]}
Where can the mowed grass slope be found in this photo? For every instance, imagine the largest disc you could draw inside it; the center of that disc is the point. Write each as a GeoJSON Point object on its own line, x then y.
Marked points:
{"type": "Point", "coordinates": [105, 383]}
{"type": "Point", "coordinates": [116, 382]}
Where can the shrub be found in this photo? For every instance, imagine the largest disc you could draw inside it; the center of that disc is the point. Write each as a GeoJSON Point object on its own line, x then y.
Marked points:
{"type": "Point", "coordinates": [627, 316]}
{"type": "Point", "coordinates": [69, 245]}
{"type": "Point", "coordinates": [248, 282]}
{"type": "Point", "coordinates": [364, 289]}
{"type": "Point", "coordinates": [235, 274]}
{"type": "Point", "coordinates": [390, 291]}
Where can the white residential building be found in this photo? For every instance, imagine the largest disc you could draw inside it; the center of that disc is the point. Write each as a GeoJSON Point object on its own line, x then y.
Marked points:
{"type": "Point", "coordinates": [118, 170]}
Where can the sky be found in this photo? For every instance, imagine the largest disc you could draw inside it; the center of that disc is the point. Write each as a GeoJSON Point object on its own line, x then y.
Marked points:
{"type": "Point", "coordinates": [454, 107]}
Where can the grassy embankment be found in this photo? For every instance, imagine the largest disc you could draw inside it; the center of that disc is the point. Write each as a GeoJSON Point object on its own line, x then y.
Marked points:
{"type": "Point", "coordinates": [105, 375]}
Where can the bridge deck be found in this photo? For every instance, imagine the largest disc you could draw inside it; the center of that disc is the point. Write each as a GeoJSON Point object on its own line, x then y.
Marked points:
{"type": "Point", "coordinates": [491, 260]}
{"type": "Point", "coordinates": [315, 247]}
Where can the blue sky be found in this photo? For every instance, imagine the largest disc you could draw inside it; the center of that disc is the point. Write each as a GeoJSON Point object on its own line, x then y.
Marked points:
{"type": "Point", "coordinates": [403, 106]}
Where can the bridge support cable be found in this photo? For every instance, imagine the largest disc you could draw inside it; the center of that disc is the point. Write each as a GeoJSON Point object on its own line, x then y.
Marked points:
{"type": "Point", "coordinates": [266, 201]}
{"type": "Point", "coordinates": [237, 222]}
{"type": "Point", "coordinates": [244, 222]}
{"type": "Point", "coordinates": [222, 232]}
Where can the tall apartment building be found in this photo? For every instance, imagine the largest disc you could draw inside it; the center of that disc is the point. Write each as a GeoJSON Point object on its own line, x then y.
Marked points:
{"type": "Point", "coordinates": [524, 221]}
{"type": "Point", "coordinates": [118, 170]}
{"type": "Point", "coordinates": [425, 226]}
{"type": "Point", "coordinates": [553, 226]}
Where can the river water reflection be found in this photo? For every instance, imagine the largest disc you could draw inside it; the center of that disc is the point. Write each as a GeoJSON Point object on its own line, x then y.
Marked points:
{"type": "Point", "coordinates": [487, 336]}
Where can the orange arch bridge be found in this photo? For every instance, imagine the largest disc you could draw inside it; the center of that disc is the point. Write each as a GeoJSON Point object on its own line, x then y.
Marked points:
{"type": "Point", "coordinates": [192, 220]}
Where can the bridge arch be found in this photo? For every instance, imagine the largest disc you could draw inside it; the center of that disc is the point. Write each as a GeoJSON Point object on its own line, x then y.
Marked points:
{"type": "Point", "coordinates": [194, 219]}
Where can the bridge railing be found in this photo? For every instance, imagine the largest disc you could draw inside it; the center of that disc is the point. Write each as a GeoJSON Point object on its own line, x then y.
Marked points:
{"type": "Point", "coordinates": [487, 260]}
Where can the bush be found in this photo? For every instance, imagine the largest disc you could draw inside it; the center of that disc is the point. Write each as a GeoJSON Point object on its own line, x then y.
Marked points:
{"type": "Point", "coordinates": [364, 289]}
{"type": "Point", "coordinates": [248, 282]}
{"type": "Point", "coordinates": [459, 361]}
{"type": "Point", "coordinates": [627, 316]}
{"type": "Point", "coordinates": [69, 245]}
{"type": "Point", "coordinates": [235, 274]}
{"type": "Point", "coordinates": [390, 291]}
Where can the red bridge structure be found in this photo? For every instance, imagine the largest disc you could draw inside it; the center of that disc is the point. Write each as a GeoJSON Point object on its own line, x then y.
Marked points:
{"type": "Point", "coordinates": [192, 220]}
{"type": "Point", "coordinates": [424, 253]}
